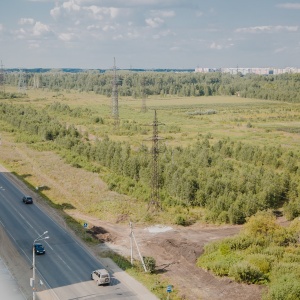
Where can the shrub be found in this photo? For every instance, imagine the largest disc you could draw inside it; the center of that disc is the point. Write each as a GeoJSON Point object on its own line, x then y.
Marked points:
{"type": "Point", "coordinates": [292, 209]}
{"type": "Point", "coordinates": [180, 220]}
{"type": "Point", "coordinates": [217, 262]}
{"type": "Point", "coordinates": [291, 257]}
{"type": "Point", "coordinates": [150, 264]}
{"type": "Point", "coordinates": [286, 287]}
{"type": "Point", "coordinates": [261, 261]}
{"type": "Point", "coordinates": [275, 251]}
{"type": "Point", "coordinates": [246, 272]}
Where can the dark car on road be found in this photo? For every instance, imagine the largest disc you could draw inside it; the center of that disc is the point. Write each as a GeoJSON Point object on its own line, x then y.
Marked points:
{"type": "Point", "coordinates": [39, 248]}
{"type": "Point", "coordinates": [27, 200]}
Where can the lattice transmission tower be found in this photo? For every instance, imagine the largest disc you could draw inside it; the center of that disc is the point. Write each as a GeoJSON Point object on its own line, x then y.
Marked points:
{"type": "Point", "coordinates": [144, 94]}
{"type": "Point", "coordinates": [36, 81]}
{"type": "Point", "coordinates": [2, 78]}
{"type": "Point", "coordinates": [22, 83]}
{"type": "Point", "coordinates": [155, 199]}
{"type": "Point", "coordinates": [114, 98]}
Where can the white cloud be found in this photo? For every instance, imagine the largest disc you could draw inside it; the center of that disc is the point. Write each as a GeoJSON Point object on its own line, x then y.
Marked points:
{"type": "Point", "coordinates": [55, 12]}
{"type": "Point", "coordinates": [21, 33]}
{"type": "Point", "coordinates": [109, 28]}
{"type": "Point", "coordinates": [267, 29]}
{"type": "Point", "coordinates": [163, 33]}
{"type": "Point", "coordinates": [280, 50]}
{"type": "Point", "coordinates": [154, 22]}
{"type": "Point", "coordinates": [133, 3]}
{"type": "Point", "coordinates": [289, 5]}
{"type": "Point", "coordinates": [1, 27]}
{"type": "Point", "coordinates": [163, 13]}
{"type": "Point", "coordinates": [24, 21]}
{"type": "Point", "coordinates": [214, 45]}
{"type": "Point", "coordinates": [40, 29]}
{"type": "Point", "coordinates": [98, 12]}
{"type": "Point", "coordinates": [33, 45]}
{"type": "Point", "coordinates": [71, 6]}
{"type": "Point", "coordinates": [66, 37]}
{"type": "Point", "coordinates": [199, 13]}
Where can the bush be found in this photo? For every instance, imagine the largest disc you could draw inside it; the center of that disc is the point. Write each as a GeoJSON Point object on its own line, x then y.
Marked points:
{"type": "Point", "coordinates": [150, 264]}
{"type": "Point", "coordinates": [261, 261]}
{"type": "Point", "coordinates": [180, 220]}
{"type": "Point", "coordinates": [275, 251]}
{"type": "Point", "coordinates": [217, 262]}
{"type": "Point", "coordinates": [292, 209]}
{"type": "Point", "coordinates": [246, 272]}
{"type": "Point", "coordinates": [286, 287]}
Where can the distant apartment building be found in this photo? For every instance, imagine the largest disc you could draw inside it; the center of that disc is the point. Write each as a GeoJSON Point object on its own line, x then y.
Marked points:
{"type": "Point", "coordinates": [244, 71]}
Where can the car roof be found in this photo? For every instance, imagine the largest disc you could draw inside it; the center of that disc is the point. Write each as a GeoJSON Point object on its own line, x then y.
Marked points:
{"type": "Point", "coordinates": [101, 271]}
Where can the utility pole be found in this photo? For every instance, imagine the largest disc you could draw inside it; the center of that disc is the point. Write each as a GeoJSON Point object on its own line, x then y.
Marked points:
{"type": "Point", "coordinates": [143, 84]}
{"type": "Point", "coordinates": [39, 238]}
{"type": "Point", "coordinates": [2, 78]}
{"type": "Point", "coordinates": [155, 201]}
{"type": "Point", "coordinates": [36, 81]}
{"type": "Point", "coordinates": [22, 84]}
{"type": "Point", "coordinates": [115, 102]}
{"type": "Point", "coordinates": [132, 237]}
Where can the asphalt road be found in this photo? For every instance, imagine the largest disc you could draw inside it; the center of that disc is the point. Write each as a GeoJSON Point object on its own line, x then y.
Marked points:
{"type": "Point", "coordinates": [65, 269]}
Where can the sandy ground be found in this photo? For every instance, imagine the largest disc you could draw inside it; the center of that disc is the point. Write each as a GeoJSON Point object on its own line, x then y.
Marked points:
{"type": "Point", "coordinates": [175, 249]}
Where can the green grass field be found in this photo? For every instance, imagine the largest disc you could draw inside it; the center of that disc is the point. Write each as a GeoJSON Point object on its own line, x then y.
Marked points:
{"type": "Point", "coordinates": [256, 121]}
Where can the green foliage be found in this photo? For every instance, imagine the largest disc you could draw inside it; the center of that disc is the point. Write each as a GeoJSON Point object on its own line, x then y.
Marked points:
{"type": "Point", "coordinates": [180, 220]}
{"type": "Point", "coordinates": [150, 263]}
{"type": "Point", "coordinates": [283, 87]}
{"type": "Point", "coordinates": [263, 253]}
{"type": "Point", "coordinates": [246, 272]}
{"type": "Point", "coordinates": [261, 261]}
{"type": "Point", "coordinates": [286, 287]}
{"type": "Point", "coordinates": [231, 180]}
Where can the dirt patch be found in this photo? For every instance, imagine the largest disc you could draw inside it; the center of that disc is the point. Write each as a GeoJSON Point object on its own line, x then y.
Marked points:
{"type": "Point", "coordinates": [101, 234]}
{"type": "Point", "coordinates": [176, 251]}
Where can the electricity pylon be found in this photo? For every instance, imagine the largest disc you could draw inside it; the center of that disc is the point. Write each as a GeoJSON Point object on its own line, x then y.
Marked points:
{"type": "Point", "coordinates": [143, 83]}
{"type": "Point", "coordinates": [114, 98]}
{"type": "Point", "coordinates": [22, 84]}
{"type": "Point", "coordinates": [155, 200]}
{"type": "Point", "coordinates": [2, 78]}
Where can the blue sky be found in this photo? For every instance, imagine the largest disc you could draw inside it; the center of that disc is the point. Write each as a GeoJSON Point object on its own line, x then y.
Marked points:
{"type": "Point", "coordinates": [149, 33]}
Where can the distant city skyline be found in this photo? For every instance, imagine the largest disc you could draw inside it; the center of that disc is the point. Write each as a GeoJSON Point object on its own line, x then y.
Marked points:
{"type": "Point", "coordinates": [168, 34]}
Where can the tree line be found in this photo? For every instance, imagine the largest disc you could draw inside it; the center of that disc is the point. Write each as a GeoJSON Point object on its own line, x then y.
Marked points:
{"type": "Point", "coordinates": [284, 87]}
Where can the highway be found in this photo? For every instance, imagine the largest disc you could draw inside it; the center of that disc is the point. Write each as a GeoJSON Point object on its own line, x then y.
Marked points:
{"type": "Point", "coordinates": [66, 267]}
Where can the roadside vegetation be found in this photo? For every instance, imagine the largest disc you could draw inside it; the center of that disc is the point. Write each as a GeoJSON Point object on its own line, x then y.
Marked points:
{"type": "Point", "coordinates": [263, 253]}
{"type": "Point", "coordinates": [230, 151]}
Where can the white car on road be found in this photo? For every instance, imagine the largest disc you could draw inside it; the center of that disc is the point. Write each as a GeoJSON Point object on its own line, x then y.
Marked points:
{"type": "Point", "coordinates": [101, 276]}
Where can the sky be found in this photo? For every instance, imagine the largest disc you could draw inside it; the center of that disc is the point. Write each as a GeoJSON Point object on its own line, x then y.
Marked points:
{"type": "Point", "coordinates": [182, 34]}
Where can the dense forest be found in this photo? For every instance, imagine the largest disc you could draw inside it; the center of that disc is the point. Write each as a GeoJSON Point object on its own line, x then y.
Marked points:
{"type": "Point", "coordinates": [285, 87]}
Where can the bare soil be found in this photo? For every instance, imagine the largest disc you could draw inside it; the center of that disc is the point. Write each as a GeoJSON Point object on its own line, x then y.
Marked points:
{"type": "Point", "coordinates": [175, 250]}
